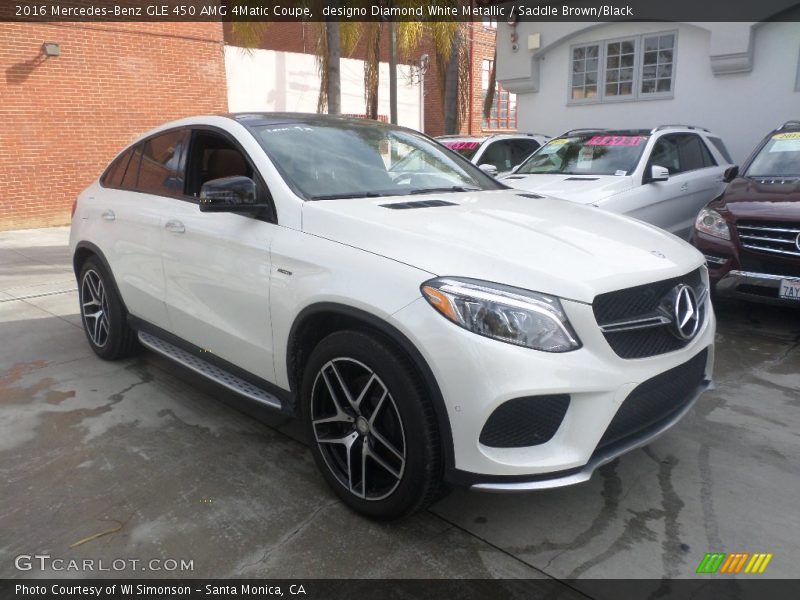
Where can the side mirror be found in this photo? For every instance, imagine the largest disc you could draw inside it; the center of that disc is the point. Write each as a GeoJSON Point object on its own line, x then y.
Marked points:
{"type": "Point", "coordinates": [489, 169]}
{"type": "Point", "coordinates": [731, 173]}
{"type": "Point", "coordinates": [229, 194]}
{"type": "Point", "coordinates": [657, 173]}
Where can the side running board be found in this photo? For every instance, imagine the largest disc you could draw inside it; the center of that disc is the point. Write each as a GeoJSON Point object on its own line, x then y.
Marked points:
{"type": "Point", "coordinates": [208, 370]}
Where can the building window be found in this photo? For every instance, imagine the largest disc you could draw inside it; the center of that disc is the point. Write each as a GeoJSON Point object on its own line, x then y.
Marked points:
{"type": "Point", "coordinates": [585, 70]}
{"type": "Point", "coordinates": [657, 63]}
{"type": "Point", "coordinates": [634, 68]}
{"type": "Point", "coordinates": [504, 107]}
{"type": "Point", "coordinates": [620, 57]}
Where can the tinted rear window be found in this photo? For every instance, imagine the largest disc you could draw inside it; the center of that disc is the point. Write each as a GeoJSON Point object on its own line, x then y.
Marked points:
{"type": "Point", "coordinates": [132, 172]}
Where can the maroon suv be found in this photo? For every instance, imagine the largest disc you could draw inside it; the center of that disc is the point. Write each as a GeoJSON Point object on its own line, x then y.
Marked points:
{"type": "Point", "coordinates": [750, 235]}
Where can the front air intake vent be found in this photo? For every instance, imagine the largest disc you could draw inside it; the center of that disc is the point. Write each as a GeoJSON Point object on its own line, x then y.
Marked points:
{"type": "Point", "coordinates": [418, 204]}
{"type": "Point", "coordinates": [524, 422]}
{"type": "Point", "coordinates": [534, 196]}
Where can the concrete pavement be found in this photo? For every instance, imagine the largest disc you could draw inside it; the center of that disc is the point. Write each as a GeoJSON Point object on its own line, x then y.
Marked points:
{"type": "Point", "coordinates": [166, 466]}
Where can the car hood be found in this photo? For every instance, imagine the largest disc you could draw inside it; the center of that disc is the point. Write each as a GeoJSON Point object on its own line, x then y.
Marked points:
{"type": "Point", "coordinates": [545, 244]}
{"type": "Point", "coordinates": [768, 199]}
{"type": "Point", "coordinates": [583, 189]}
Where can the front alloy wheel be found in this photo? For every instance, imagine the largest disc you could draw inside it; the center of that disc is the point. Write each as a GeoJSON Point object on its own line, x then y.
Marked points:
{"type": "Point", "coordinates": [371, 425]}
{"type": "Point", "coordinates": [358, 428]}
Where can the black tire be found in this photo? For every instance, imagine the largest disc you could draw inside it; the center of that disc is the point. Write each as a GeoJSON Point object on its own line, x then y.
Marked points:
{"type": "Point", "coordinates": [119, 339]}
{"type": "Point", "coordinates": [384, 496]}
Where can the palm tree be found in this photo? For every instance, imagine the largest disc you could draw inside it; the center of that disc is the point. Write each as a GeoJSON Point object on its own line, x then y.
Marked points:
{"type": "Point", "coordinates": [249, 34]}
{"type": "Point", "coordinates": [449, 54]}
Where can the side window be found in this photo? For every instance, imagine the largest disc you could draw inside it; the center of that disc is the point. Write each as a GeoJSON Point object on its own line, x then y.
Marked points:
{"type": "Point", "coordinates": [522, 149]}
{"type": "Point", "coordinates": [498, 154]}
{"type": "Point", "coordinates": [720, 145]}
{"type": "Point", "coordinates": [213, 156]}
{"type": "Point", "coordinates": [113, 175]}
{"type": "Point", "coordinates": [131, 173]}
{"type": "Point", "coordinates": [158, 173]}
{"type": "Point", "coordinates": [693, 153]}
{"type": "Point", "coordinates": [665, 154]}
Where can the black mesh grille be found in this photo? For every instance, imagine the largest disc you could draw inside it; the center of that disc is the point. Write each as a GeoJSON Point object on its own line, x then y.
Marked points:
{"type": "Point", "coordinates": [656, 400]}
{"type": "Point", "coordinates": [522, 422]}
{"type": "Point", "coordinates": [640, 301]}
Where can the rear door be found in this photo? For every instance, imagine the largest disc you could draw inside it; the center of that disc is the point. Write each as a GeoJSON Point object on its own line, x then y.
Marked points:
{"type": "Point", "coordinates": [672, 204]}
{"type": "Point", "coordinates": [217, 265]}
{"type": "Point", "coordinates": [131, 217]}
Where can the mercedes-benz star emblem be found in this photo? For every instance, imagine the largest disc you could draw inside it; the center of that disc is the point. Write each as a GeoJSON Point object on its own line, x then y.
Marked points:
{"type": "Point", "coordinates": [797, 241]}
{"type": "Point", "coordinates": [686, 313]}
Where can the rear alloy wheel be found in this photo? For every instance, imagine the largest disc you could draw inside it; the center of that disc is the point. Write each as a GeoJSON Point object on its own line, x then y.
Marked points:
{"type": "Point", "coordinates": [103, 314]}
{"type": "Point", "coordinates": [371, 427]}
{"type": "Point", "coordinates": [94, 308]}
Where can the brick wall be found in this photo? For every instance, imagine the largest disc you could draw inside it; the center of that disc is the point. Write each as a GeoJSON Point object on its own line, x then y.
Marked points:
{"type": "Point", "coordinates": [62, 119]}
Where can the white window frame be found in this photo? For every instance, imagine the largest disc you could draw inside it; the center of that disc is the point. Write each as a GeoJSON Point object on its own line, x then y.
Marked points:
{"type": "Point", "coordinates": [638, 67]}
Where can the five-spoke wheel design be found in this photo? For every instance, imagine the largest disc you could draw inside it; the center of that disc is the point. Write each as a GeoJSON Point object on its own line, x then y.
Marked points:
{"type": "Point", "coordinates": [358, 429]}
{"type": "Point", "coordinates": [94, 307]}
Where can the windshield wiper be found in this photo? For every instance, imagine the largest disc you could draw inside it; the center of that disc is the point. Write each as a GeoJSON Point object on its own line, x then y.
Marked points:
{"type": "Point", "coordinates": [454, 188]}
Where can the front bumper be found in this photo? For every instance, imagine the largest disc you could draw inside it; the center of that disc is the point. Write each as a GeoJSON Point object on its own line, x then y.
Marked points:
{"type": "Point", "coordinates": [745, 275]}
{"type": "Point", "coordinates": [756, 287]}
{"type": "Point", "coordinates": [476, 375]}
{"type": "Point", "coordinates": [598, 459]}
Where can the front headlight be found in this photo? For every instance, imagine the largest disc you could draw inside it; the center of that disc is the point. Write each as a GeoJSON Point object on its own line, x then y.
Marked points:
{"type": "Point", "coordinates": [504, 313]}
{"type": "Point", "coordinates": [711, 222]}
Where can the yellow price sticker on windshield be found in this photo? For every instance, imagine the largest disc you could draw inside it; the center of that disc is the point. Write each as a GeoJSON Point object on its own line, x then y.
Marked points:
{"type": "Point", "coordinates": [787, 136]}
{"type": "Point", "coordinates": [557, 142]}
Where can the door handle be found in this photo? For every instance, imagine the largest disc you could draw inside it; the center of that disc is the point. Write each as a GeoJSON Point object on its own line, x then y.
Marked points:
{"type": "Point", "coordinates": [174, 226]}
{"type": "Point", "coordinates": [685, 187]}
{"type": "Point", "coordinates": [108, 215]}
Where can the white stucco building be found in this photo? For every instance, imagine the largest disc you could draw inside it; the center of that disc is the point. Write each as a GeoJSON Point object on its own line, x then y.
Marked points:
{"type": "Point", "coordinates": [738, 79]}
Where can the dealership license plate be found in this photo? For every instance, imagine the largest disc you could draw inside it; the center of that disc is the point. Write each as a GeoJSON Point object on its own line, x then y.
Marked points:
{"type": "Point", "coordinates": [790, 289]}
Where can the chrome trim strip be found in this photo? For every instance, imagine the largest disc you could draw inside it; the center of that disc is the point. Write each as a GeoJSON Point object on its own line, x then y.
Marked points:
{"type": "Point", "coordinates": [715, 260]}
{"type": "Point", "coordinates": [597, 461]}
{"type": "Point", "coordinates": [766, 239]}
{"type": "Point", "coordinates": [757, 276]}
{"type": "Point", "coordinates": [207, 370]}
{"type": "Point", "coordinates": [773, 250]}
{"type": "Point", "coordinates": [630, 324]}
{"type": "Point", "coordinates": [775, 229]}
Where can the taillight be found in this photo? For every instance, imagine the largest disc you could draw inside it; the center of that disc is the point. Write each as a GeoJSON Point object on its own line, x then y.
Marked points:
{"type": "Point", "coordinates": [74, 206]}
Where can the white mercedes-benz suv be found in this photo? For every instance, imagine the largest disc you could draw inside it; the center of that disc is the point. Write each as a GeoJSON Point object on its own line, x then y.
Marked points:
{"type": "Point", "coordinates": [429, 328]}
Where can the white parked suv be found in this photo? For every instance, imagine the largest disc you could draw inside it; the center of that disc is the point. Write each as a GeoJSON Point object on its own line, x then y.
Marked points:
{"type": "Point", "coordinates": [496, 154]}
{"type": "Point", "coordinates": [663, 176]}
{"type": "Point", "coordinates": [428, 328]}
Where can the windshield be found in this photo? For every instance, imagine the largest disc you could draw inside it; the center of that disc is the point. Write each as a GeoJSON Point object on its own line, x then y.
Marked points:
{"type": "Point", "coordinates": [466, 148]}
{"type": "Point", "coordinates": [332, 160]}
{"type": "Point", "coordinates": [780, 157]}
{"type": "Point", "coordinates": [587, 155]}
